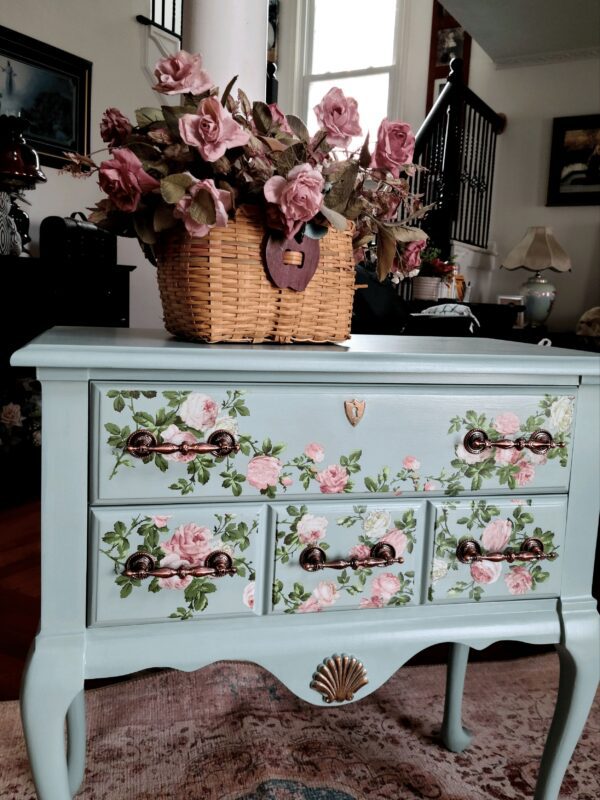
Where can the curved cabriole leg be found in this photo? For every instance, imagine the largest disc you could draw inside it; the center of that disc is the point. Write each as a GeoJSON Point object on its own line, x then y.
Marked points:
{"type": "Point", "coordinates": [51, 683]}
{"type": "Point", "coordinates": [579, 675]}
{"type": "Point", "coordinates": [454, 736]}
{"type": "Point", "coordinates": [76, 742]}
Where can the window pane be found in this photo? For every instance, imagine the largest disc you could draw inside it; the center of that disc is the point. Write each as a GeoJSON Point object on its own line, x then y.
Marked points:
{"type": "Point", "coordinates": [369, 91]}
{"type": "Point", "coordinates": [349, 34]}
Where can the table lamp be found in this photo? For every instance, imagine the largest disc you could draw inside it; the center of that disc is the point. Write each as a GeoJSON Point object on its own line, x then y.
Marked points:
{"type": "Point", "coordinates": [538, 250]}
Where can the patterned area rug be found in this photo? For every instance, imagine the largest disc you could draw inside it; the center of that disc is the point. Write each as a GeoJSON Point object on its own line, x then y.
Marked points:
{"type": "Point", "coordinates": [233, 732]}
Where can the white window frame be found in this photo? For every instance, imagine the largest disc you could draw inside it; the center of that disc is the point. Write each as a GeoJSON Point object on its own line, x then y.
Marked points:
{"type": "Point", "coordinates": [296, 21]}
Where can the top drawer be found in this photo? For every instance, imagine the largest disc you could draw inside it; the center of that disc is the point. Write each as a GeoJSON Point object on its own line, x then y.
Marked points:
{"type": "Point", "coordinates": [313, 440]}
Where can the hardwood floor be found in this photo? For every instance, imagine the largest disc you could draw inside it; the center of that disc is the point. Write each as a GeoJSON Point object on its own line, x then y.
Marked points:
{"type": "Point", "coordinates": [19, 591]}
{"type": "Point", "coordinates": [20, 602]}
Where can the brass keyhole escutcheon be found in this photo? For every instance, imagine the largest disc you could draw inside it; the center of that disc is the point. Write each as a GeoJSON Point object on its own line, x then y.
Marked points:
{"type": "Point", "coordinates": [355, 410]}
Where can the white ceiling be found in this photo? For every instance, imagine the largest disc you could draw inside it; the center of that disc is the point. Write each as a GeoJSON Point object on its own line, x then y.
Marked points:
{"type": "Point", "coordinates": [531, 31]}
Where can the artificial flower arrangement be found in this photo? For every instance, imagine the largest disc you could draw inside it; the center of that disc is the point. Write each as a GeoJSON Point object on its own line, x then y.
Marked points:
{"type": "Point", "coordinates": [193, 164]}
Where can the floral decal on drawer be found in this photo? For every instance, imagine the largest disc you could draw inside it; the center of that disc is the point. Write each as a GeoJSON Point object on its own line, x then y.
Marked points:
{"type": "Point", "coordinates": [485, 524]}
{"type": "Point", "coordinates": [373, 587]}
{"type": "Point", "coordinates": [467, 471]}
{"type": "Point", "coordinates": [191, 416]}
{"type": "Point", "coordinates": [188, 544]}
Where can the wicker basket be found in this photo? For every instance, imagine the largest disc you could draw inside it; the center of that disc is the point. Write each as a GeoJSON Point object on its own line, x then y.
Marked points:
{"type": "Point", "coordinates": [216, 289]}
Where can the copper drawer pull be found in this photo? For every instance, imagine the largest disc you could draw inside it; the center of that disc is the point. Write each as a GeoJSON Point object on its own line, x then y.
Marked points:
{"type": "Point", "coordinates": [381, 555]}
{"type": "Point", "coordinates": [142, 443]}
{"type": "Point", "coordinates": [532, 549]}
{"type": "Point", "coordinates": [142, 565]}
{"type": "Point", "coordinates": [476, 441]}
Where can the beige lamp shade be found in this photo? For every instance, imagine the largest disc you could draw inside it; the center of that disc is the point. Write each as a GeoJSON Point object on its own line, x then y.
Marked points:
{"type": "Point", "coordinates": [536, 251]}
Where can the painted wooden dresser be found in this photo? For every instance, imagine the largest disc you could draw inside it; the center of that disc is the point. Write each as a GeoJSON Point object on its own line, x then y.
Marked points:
{"type": "Point", "coordinates": [324, 511]}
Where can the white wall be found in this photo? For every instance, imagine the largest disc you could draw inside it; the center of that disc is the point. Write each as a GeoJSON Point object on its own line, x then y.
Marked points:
{"type": "Point", "coordinates": [106, 34]}
{"type": "Point", "coordinates": [531, 96]}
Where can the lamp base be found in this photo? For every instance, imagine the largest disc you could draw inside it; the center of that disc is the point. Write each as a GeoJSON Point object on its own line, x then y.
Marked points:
{"type": "Point", "coordinates": [538, 296]}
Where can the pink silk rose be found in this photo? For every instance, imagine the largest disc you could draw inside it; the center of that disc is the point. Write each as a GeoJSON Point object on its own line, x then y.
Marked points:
{"type": "Point", "coordinates": [124, 180]}
{"type": "Point", "coordinates": [114, 127]}
{"type": "Point", "coordinates": [174, 435]}
{"type": "Point", "coordinates": [333, 479]}
{"type": "Point", "coordinates": [338, 116]}
{"type": "Point", "coordinates": [174, 561]}
{"type": "Point", "coordinates": [411, 463]}
{"type": "Point", "coordinates": [287, 481]}
{"type": "Point", "coordinates": [311, 528]}
{"type": "Point", "coordinates": [191, 542]}
{"type": "Point", "coordinates": [299, 196]}
{"type": "Point", "coordinates": [180, 73]}
{"type": "Point", "coordinates": [212, 130]}
{"type": "Point", "coordinates": [279, 118]}
{"type": "Point", "coordinates": [385, 585]}
{"type": "Point", "coordinates": [394, 148]}
{"type": "Point", "coordinates": [518, 580]}
{"type": "Point", "coordinates": [222, 201]}
{"type": "Point", "coordinates": [507, 423]}
{"type": "Point", "coordinates": [161, 521]}
{"type": "Point", "coordinates": [430, 486]}
{"type": "Point", "coordinates": [315, 452]}
{"type": "Point", "coordinates": [263, 471]}
{"type": "Point", "coordinates": [485, 571]}
{"type": "Point", "coordinates": [397, 539]}
{"type": "Point", "coordinates": [199, 411]}
{"type": "Point", "coordinates": [495, 536]}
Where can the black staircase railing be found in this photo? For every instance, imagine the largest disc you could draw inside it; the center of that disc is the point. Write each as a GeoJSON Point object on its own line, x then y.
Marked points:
{"type": "Point", "coordinates": [457, 145]}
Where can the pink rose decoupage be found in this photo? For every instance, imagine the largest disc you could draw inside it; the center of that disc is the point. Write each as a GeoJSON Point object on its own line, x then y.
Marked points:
{"type": "Point", "coordinates": [177, 547]}
{"type": "Point", "coordinates": [268, 467]}
{"type": "Point", "coordinates": [498, 528]}
{"type": "Point", "coordinates": [296, 591]}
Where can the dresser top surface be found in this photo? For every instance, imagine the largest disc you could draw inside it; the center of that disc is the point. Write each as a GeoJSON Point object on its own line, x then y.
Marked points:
{"type": "Point", "coordinates": [131, 348]}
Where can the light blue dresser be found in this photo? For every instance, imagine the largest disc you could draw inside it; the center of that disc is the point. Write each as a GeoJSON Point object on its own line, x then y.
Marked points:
{"type": "Point", "coordinates": [324, 511]}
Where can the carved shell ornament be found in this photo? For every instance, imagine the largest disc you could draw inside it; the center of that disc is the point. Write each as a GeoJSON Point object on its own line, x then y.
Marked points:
{"type": "Point", "coordinates": [338, 678]}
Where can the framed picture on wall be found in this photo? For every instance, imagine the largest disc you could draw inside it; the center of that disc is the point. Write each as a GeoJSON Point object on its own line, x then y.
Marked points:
{"type": "Point", "coordinates": [50, 89]}
{"type": "Point", "coordinates": [574, 173]}
{"type": "Point", "coordinates": [448, 40]}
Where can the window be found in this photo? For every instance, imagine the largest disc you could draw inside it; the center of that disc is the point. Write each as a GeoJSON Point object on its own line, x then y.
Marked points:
{"type": "Point", "coordinates": [342, 43]}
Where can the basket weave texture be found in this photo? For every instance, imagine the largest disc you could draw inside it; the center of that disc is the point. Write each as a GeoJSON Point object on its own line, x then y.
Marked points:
{"type": "Point", "coordinates": [216, 289]}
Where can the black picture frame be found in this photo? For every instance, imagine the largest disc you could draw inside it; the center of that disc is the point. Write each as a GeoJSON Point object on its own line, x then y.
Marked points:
{"type": "Point", "coordinates": [51, 90]}
{"type": "Point", "coordinates": [574, 172]}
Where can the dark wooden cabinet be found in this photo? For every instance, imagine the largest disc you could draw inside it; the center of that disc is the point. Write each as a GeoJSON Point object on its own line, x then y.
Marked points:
{"type": "Point", "coordinates": [38, 294]}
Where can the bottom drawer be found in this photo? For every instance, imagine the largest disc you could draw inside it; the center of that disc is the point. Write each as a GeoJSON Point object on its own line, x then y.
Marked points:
{"type": "Point", "coordinates": [497, 549]}
{"type": "Point", "coordinates": [175, 539]}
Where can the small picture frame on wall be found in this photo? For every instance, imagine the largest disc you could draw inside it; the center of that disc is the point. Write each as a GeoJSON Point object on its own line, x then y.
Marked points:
{"type": "Point", "coordinates": [50, 89]}
{"type": "Point", "coordinates": [574, 173]}
{"type": "Point", "coordinates": [513, 300]}
{"type": "Point", "coordinates": [448, 40]}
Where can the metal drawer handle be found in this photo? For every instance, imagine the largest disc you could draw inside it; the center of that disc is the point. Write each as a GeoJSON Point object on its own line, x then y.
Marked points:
{"type": "Point", "coordinates": [142, 565]}
{"type": "Point", "coordinates": [142, 443]}
{"type": "Point", "coordinates": [381, 555]}
{"type": "Point", "coordinates": [532, 549]}
{"type": "Point", "coordinates": [476, 441]}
